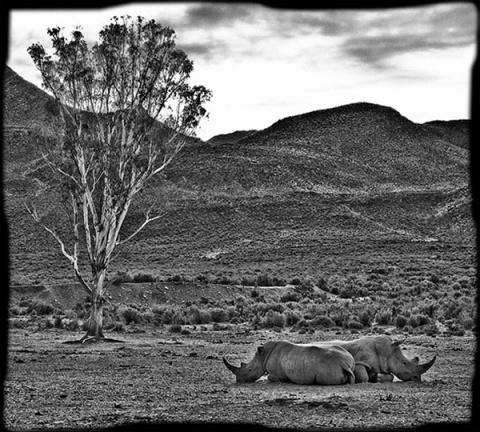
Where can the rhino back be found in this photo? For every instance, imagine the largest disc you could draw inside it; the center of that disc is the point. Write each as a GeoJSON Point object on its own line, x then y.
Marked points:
{"type": "Point", "coordinates": [310, 364]}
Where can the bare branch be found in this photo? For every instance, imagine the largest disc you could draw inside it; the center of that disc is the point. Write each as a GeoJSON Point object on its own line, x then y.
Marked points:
{"type": "Point", "coordinates": [72, 258]}
{"type": "Point", "coordinates": [147, 220]}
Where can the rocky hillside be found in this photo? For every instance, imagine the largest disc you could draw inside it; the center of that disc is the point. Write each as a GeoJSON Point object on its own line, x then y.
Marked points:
{"type": "Point", "coordinates": [455, 131]}
{"type": "Point", "coordinates": [230, 138]}
{"type": "Point", "coordinates": [335, 188]}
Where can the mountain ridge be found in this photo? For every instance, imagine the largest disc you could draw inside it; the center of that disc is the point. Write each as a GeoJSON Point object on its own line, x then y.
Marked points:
{"type": "Point", "coordinates": [290, 196]}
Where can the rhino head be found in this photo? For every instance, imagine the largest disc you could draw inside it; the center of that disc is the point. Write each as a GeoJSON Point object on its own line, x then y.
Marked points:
{"type": "Point", "coordinates": [401, 366]}
{"type": "Point", "coordinates": [248, 372]}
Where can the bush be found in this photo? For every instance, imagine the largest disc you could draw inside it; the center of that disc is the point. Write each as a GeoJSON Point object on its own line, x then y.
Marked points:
{"type": "Point", "coordinates": [296, 281]}
{"type": "Point", "coordinates": [322, 284]}
{"type": "Point", "coordinates": [364, 319]}
{"type": "Point", "coordinates": [175, 328]}
{"type": "Point", "coordinates": [273, 319]}
{"type": "Point", "coordinates": [383, 318]}
{"type": "Point", "coordinates": [72, 325]}
{"type": "Point", "coordinates": [322, 321]}
{"type": "Point", "coordinates": [306, 286]}
{"type": "Point", "coordinates": [219, 315]}
{"type": "Point", "coordinates": [143, 278]}
{"type": "Point", "coordinates": [413, 322]}
{"type": "Point", "coordinates": [291, 318]}
{"type": "Point", "coordinates": [263, 280]}
{"type": "Point", "coordinates": [247, 281]}
{"type": "Point", "coordinates": [224, 280]}
{"type": "Point", "coordinates": [198, 316]}
{"type": "Point", "coordinates": [177, 279]}
{"type": "Point", "coordinates": [290, 296]}
{"type": "Point", "coordinates": [202, 278]}
{"type": "Point", "coordinates": [41, 307]}
{"type": "Point", "coordinates": [129, 315]}
{"type": "Point", "coordinates": [122, 277]}
{"type": "Point", "coordinates": [400, 321]}
{"type": "Point", "coordinates": [254, 293]}
{"type": "Point", "coordinates": [355, 325]}
{"type": "Point", "coordinates": [58, 322]}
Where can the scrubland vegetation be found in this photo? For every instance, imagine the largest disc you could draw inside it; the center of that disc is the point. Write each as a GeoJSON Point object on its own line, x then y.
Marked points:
{"type": "Point", "coordinates": [428, 304]}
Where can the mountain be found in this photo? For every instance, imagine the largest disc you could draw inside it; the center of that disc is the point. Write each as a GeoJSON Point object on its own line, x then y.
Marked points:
{"type": "Point", "coordinates": [337, 190]}
{"type": "Point", "coordinates": [456, 131]}
{"type": "Point", "coordinates": [230, 138]}
{"type": "Point", "coordinates": [356, 147]}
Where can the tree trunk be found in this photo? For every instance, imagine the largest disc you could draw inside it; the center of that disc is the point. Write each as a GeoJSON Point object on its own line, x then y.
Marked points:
{"type": "Point", "coordinates": [95, 321]}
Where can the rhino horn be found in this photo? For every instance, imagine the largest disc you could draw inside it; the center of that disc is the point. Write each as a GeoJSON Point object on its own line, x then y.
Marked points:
{"type": "Point", "coordinates": [422, 368]}
{"type": "Point", "coordinates": [233, 368]}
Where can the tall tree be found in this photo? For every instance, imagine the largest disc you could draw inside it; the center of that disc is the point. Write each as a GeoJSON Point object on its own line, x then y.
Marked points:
{"type": "Point", "coordinates": [125, 110]}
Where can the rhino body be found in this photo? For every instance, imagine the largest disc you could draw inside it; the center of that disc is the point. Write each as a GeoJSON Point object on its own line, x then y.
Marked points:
{"type": "Point", "coordinates": [379, 358]}
{"type": "Point", "coordinates": [288, 362]}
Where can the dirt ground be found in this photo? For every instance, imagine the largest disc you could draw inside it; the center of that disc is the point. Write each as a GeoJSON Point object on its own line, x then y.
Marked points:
{"type": "Point", "coordinates": [157, 376]}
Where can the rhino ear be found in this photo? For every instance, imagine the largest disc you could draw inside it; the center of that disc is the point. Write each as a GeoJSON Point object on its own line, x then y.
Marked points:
{"type": "Point", "coordinates": [399, 342]}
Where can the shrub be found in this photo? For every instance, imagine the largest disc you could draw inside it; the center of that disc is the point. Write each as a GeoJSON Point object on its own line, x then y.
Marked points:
{"type": "Point", "coordinates": [273, 319]}
{"type": "Point", "coordinates": [198, 316]}
{"type": "Point", "coordinates": [263, 280]}
{"type": "Point", "coordinates": [175, 328]}
{"type": "Point", "coordinates": [47, 323]}
{"type": "Point", "coordinates": [202, 278]}
{"type": "Point", "coordinates": [434, 278]}
{"type": "Point", "coordinates": [41, 307]}
{"type": "Point", "coordinates": [72, 325]}
{"type": "Point", "coordinates": [413, 321]}
{"type": "Point", "coordinates": [17, 310]}
{"type": "Point", "coordinates": [306, 286]}
{"type": "Point", "coordinates": [122, 277]}
{"type": "Point", "coordinates": [400, 321]}
{"type": "Point", "coordinates": [58, 322]}
{"type": "Point", "coordinates": [219, 315]}
{"type": "Point", "coordinates": [177, 279]}
{"type": "Point", "coordinates": [322, 321]}
{"type": "Point", "coordinates": [224, 280]}
{"type": "Point", "coordinates": [322, 284]}
{"type": "Point", "coordinates": [276, 281]}
{"type": "Point", "coordinates": [277, 307]}
{"type": "Point", "coordinates": [291, 318]}
{"type": "Point", "coordinates": [383, 318]}
{"type": "Point", "coordinates": [248, 281]}
{"type": "Point", "coordinates": [341, 319]}
{"type": "Point", "coordinates": [354, 325]}
{"type": "Point", "coordinates": [254, 293]}
{"type": "Point", "coordinates": [129, 315]}
{"type": "Point", "coordinates": [290, 296]}
{"type": "Point", "coordinates": [365, 319]}
{"type": "Point", "coordinates": [296, 281]}
{"type": "Point", "coordinates": [143, 278]}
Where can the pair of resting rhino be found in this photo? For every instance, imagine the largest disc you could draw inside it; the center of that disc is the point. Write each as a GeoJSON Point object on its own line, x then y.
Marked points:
{"type": "Point", "coordinates": [368, 359]}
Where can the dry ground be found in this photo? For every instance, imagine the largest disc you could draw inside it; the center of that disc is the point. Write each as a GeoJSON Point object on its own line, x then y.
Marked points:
{"type": "Point", "coordinates": [157, 376]}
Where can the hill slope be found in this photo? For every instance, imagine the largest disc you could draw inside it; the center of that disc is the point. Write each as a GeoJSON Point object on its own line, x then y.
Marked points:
{"type": "Point", "coordinates": [343, 188]}
{"type": "Point", "coordinates": [230, 137]}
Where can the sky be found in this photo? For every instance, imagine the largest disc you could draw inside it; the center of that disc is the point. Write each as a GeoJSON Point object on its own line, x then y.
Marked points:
{"type": "Point", "coordinates": [263, 64]}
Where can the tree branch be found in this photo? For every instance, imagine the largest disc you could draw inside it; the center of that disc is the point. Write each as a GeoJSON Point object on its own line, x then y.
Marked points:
{"type": "Point", "coordinates": [71, 258]}
{"type": "Point", "coordinates": [147, 220]}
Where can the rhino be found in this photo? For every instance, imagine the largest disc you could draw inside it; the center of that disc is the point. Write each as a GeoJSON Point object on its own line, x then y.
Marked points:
{"type": "Point", "coordinates": [288, 362]}
{"type": "Point", "coordinates": [379, 358]}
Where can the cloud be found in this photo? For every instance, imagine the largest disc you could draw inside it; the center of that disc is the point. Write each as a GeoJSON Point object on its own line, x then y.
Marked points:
{"type": "Point", "coordinates": [378, 36]}
{"type": "Point", "coordinates": [219, 13]}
